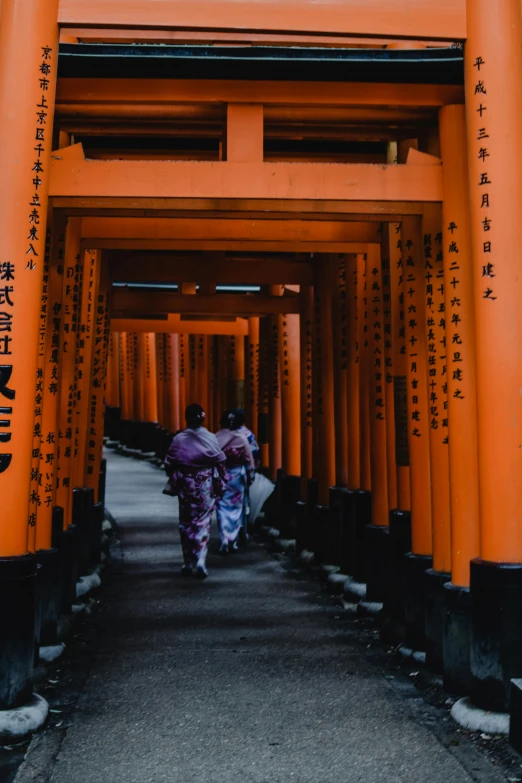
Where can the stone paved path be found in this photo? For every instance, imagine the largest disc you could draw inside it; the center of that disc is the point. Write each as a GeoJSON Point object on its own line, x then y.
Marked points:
{"type": "Point", "coordinates": [244, 678]}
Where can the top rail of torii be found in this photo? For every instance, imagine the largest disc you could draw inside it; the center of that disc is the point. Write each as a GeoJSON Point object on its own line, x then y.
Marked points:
{"type": "Point", "coordinates": [443, 20]}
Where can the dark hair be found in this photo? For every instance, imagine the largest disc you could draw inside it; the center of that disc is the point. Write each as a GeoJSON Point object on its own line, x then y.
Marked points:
{"type": "Point", "coordinates": [228, 420]}
{"type": "Point", "coordinates": [194, 415]}
{"type": "Point", "coordinates": [240, 417]}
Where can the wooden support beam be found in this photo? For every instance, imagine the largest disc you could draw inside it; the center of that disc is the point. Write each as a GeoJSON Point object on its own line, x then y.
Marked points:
{"type": "Point", "coordinates": [285, 93]}
{"type": "Point", "coordinates": [132, 300]}
{"type": "Point", "coordinates": [444, 20]}
{"type": "Point", "coordinates": [202, 228]}
{"type": "Point", "coordinates": [147, 268]}
{"type": "Point", "coordinates": [203, 179]}
{"type": "Point", "coordinates": [253, 246]}
{"type": "Point", "coordinates": [174, 325]}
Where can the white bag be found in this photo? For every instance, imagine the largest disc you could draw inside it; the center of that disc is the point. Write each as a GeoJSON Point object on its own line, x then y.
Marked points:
{"type": "Point", "coordinates": [260, 490]}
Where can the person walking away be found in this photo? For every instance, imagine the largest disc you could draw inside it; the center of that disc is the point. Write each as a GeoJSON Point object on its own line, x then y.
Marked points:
{"type": "Point", "coordinates": [240, 470]}
{"type": "Point", "coordinates": [195, 465]}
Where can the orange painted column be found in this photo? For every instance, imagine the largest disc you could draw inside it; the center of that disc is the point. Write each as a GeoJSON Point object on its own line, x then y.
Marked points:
{"type": "Point", "coordinates": [51, 379]}
{"type": "Point", "coordinates": [493, 59]}
{"type": "Point", "coordinates": [202, 370]}
{"type": "Point", "coordinates": [275, 444]}
{"type": "Point", "coordinates": [113, 371]}
{"type": "Point", "coordinates": [125, 386]}
{"type": "Point", "coordinates": [191, 382]}
{"type": "Point", "coordinates": [306, 301]}
{"type": "Point", "coordinates": [161, 372]}
{"type": "Point", "coordinates": [28, 57]}
{"type": "Point", "coordinates": [437, 352]}
{"type": "Point", "coordinates": [391, 464]}
{"type": "Point", "coordinates": [354, 272]}
{"type": "Point", "coordinates": [363, 303]}
{"type": "Point", "coordinates": [264, 390]}
{"type": "Point", "coordinates": [150, 396]}
{"type": "Point", "coordinates": [400, 367]}
{"type": "Point", "coordinates": [139, 376]}
{"type": "Point", "coordinates": [84, 360]}
{"type": "Point", "coordinates": [98, 386]}
{"type": "Point", "coordinates": [252, 395]}
{"type": "Point", "coordinates": [460, 328]}
{"type": "Point", "coordinates": [236, 354]}
{"type": "Point", "coordinates": [132, 352]}
{"type": "Point", "coordinates": [71, 303]}
{"type": "Point", "coordinates": [417, 387]}
{"type": "Point", "coordinates": [183, 371]}
{"type": "Point", "coordinates": [325, 271]}
{"type": "Point", "coordinates": [340, 320]}
{"type": "Point", "coordinates": [172, 384]}
{"type": "Point", "coordinates": [290, 368]}
{"type": "Point", "coordinates": [218, 364]}
{"type": "Point", "coordinates": [377, 382]}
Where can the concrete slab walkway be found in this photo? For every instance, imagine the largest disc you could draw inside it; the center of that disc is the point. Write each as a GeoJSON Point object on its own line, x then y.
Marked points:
{"type": "Point", "coordinates": [244, 678]}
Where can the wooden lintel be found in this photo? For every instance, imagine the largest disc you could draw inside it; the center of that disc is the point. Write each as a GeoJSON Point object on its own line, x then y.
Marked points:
{"type": "Point", "coordinates": [254, 246]}
{"type": "Point", "coordinates": [147, 268]}
{"type": "Point", "coordinates": [216, 180]}
{"type": "Point", "coordinates": [174, 325]}
{"type": "Point", "coordinates": [131, 300]}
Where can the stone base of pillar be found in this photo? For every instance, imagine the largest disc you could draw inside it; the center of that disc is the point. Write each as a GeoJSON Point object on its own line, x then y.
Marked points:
{"type": "Point", "coordinates": [434, 598]}
{"type": "Point", "coordinates": [287, 494]}
{"type": "Point", "coordinates": [456, 639]}
{"type": "Point", "coordinates": [415, 599]}
{"type": "Point", "coordinates": [496, 632]}
{"type": "Point", "coordinates": [362, 517]}
{"type": "Point", "coordinates": [112, 422]}
{"type": "Point", "coordinates": [82, 513]}
{"type": "Point", "coordinates": [344, 500]}
{"type": "Point", "coordinates": [102, 482]}
{"type": "Point", "coordinates": [321, 520]}
{"type": "Point", "coordinates": [96, 529]}
{"type": "Point", "coordinates": [49, 594]}
{"type": "Point", "coordinates": [68, 548]}
{"type": "Point", "coordinates": [377, 553]}
{"type": "Point", "coordinates": [302, 527]}
{"type": "Point", "coordinates": [18, 582]}
{"type": "Point", "coordinates": [392, 629]}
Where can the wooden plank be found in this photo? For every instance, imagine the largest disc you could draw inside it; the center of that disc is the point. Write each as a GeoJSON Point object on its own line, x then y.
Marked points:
{"type": "Point", "coordinates": [416, 19]}
{"type": "Point", "coordinates": [216, 180]}
{"type": "Point", "coordinates": [129, 299]}
{"type": "Point", "coordinates": [174, 325]}
{"type": "Point", "coordinates": [236, 245]}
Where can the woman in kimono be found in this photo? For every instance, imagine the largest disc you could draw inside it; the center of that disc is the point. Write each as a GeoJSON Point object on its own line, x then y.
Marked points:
{"type": "Point", "coordinates": [240, 470]}
{"type": "Point", "coordinates": [196, 467]}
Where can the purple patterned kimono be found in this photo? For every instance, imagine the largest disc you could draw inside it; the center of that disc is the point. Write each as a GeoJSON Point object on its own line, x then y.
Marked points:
{"type": "Point", "coordinates": [196, 466]}
{"type": "Point", "coordinates": [240, 465]}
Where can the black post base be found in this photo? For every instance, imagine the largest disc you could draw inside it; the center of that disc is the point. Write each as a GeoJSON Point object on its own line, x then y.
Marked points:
{"type": "Point", "coordinates": [400, 545]}
{"type": "Point", "coordinates": [49, 594]}
{"type": "Point", "coordinates": [288, 495]}
{"type": "Point", "coordinates": [434, 582]}
{"type": "Point", "coordinates": [82, 514]}
{"type": "Point", "coordinates": [102, 482]}
{"type": "Point", "coordinates": [515, 718]}
{"type": "Point", "coordinates": [112, 422]}
{"type": "Point", "coordinates": [415, 599]}
{"type": "Point", "coordinates": [362, 517]}
{"type": "Point", "coordinates": [302, 523]}
{"type": "Point", "coordinates": [95, 534]}
{"type": "Point", "coordinates": [377, 553]}
{"type": "Point", "coordinates": [326, 527]}
{"type": "Point", "coordinates": [456, 639]}
{"type": "Point", "coordinates": [344, 500]}
{"type": "Point", "coordinates": [496, 632]}
{"type": "Point", "coordinates": [18, 577]}
{"type": "Point", "coordinates": [68, 547]}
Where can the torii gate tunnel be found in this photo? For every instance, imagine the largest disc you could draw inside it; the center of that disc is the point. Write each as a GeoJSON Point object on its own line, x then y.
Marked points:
{"type": "Point", "coordinates": [309, 211]}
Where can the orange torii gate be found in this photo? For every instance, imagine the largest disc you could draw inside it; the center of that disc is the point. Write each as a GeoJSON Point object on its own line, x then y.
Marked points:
{"type": "Point", "coordinates": [392, 373]}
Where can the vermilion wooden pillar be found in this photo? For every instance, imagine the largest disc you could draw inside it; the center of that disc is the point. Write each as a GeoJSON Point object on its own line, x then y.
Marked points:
{"type": "Point", "coordinates": [493, 58]}
{"type": "Point", "coordinates": [462, 401]}
{"type": "Point", "coordinates": [353, 275]}
{"type": "Point", "coordinates": [113, 379]}
{"type": "Point", "coordinates": [125, 378]}
{"type": "Point", "coordinates": [325, 271]}
{"type": "Point", "coordinates": [71, 302]}
{"type": "Point", "coordinates": [274, 401]}
{"type": "Point", "coordinates": [363, 323]}
{"type": "Point", "coordinates": [173, 420]}
{"type": "Point", "coordinates": [84, 359]}
{"type": "Point", "coordinates": [28, 44]}
{"type": "Point", "coordinates": [202, 370]}
{"type": "Point", "coordinates": [252, 397]}
{"type": "Point", "coordinates": [161, 376]}
{"type": "Point", "coordinates": [418, 431]}
{"type": "Point", "coordinates": [377, 399]}
{"type": "Point", "coordinates": [340, 320]}
{"type": "Point", "coordinates": [437, 346]}
{"type": "Point", "coordinates": [391, 463]}
{"type": "Point", "coordinates": [306, 300]}
{"type": "Point", "coordinates": [264, 389]}
{"type": "Point", "coordinates": [51, 380]}
{"type": "Point", "coordinates": [183, 365]}
{"type": "Point", "coordinates": [290, 394]}
{"type": "Point", "coordinates": [150, 401]}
